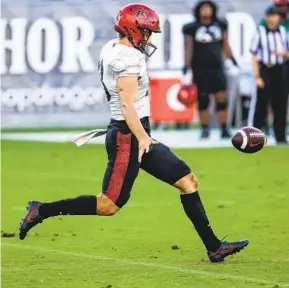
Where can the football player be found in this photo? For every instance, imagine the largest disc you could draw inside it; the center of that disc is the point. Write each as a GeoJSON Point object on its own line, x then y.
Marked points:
{"type": "Point", "coordinates": [129, 145]}
{"type": "Point", "coordinates": [206, 41]}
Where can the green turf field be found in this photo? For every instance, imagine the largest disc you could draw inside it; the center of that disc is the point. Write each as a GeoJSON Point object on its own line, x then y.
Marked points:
{"type": "Point", "coordinates": [245, 196]}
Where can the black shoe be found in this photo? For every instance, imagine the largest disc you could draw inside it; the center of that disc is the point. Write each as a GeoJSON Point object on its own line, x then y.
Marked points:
{"type": "Point", "coordinates": [31, 219]}
{"type": "Point", "coordinates": [225, 134]}
{"type": "Point", "coordinates": [267, 131]}
{"type": "Point", "coordinates": [227, 249]}
{"type": "Point", "coordinates": [205, 133]}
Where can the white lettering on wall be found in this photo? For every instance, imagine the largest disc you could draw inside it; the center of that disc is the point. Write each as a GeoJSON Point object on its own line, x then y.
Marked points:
{"type": "Point", "coordinates": [27, 42]}
{"type": "Point", "coordinates": [242, 28]}
{"type": "Point", "coordinates": [43, 58]}
{"type": "Point", "coordinates": [44, 43]}
{"type": "Point", "coordinates": [15, 45]}
{"type": "Point", "coordinates": [177, 45]}
{"type": "Point", "coordinates": [78, 36]}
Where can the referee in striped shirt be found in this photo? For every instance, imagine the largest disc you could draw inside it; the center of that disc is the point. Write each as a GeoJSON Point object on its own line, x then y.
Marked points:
{"type": "Point", "coordinates": [270, 50]}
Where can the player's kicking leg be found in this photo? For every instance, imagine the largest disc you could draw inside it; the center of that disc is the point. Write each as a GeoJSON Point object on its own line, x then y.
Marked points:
{"type": "Point", "coordinates": [38, 211]}
{"type": "Point", "coordinates": [162, 163]}
{"type": "Point", "coordinates": [121, 172]}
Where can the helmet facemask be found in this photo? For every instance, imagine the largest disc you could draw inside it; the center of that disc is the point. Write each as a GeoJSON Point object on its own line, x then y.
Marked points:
{"type": "Point", "coordinates": [145, 43]}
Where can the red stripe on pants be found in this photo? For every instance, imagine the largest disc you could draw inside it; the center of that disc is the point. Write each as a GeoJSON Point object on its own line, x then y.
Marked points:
{"type": "Point", "coordinates": [123, 144]}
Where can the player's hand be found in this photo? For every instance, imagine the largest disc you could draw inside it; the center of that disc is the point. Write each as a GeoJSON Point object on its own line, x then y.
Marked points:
{"type": "Point", "coordinates": [187, 76]}
{"type": "Point", "coordinates": [144, 145]}
{"type": "Point", "coordinates": [280, 54]}
{"type": "Point", "coordinates": [260, 83]}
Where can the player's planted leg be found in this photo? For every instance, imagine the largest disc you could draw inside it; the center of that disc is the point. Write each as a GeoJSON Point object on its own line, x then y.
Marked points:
{"type": "Point", "coordinates": [194, 209]}
{"type": "Point", "coordinates": [203, 105]}
{"type": "Point", "coordinates": [82, 205]}
{"type": "Point", "coordinates": [222, 113]}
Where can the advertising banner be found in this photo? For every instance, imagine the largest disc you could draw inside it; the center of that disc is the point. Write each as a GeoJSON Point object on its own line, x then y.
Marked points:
{"type": "Point", "coordinates": [49, 61]}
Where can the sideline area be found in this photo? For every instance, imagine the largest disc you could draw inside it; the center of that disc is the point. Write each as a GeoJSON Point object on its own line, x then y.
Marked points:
{"type": "Point", "coordinates": [174, 139]}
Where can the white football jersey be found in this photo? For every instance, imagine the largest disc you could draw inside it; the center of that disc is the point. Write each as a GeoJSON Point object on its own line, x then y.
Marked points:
{"type": "Point", "coordinates": [117, 60]}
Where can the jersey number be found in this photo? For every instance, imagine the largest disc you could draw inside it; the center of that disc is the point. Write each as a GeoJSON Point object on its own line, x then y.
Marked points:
{"type": "Point", "coordinates": [100, 69]}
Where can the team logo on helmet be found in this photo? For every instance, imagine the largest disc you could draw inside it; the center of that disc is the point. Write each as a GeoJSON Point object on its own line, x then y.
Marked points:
{"type": "Point", "coordinates": [142, 15]}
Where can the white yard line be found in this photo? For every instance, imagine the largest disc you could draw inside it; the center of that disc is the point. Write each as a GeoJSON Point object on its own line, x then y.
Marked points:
{"type": "Point", "coordinates": [149, 264]}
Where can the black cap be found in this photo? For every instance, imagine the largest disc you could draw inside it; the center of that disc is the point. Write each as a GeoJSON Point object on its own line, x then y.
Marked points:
{"type": "Point", "coordinates": [271, 10]}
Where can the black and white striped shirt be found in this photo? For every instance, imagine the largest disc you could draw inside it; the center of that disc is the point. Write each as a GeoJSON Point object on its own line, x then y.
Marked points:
{"type": "Point", "coordinates": [266, 42]}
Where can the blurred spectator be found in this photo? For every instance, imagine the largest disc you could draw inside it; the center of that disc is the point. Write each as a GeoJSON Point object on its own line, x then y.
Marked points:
{"type": "Point", "coordinates": [206, 39]}
{"type": "Point", "coordinates": [283, 7]}
{"type": "Point", "coordinates": [269, 49]}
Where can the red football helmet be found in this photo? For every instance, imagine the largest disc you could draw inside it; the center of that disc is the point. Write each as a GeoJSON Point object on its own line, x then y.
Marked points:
{"type": "Point", "coordinates": [188, 94]}
{"type": "Point", "coordinates": [281, 2]}
{"type": "Point", "coordinates": [136, 21]}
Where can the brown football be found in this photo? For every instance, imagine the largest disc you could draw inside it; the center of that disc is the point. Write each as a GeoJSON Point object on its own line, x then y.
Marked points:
{"type": "Point", "coordinates": [249, 140]}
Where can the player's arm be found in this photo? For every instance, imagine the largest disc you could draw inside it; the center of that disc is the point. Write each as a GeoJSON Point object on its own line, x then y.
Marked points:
{"type": "Point", "coordinates": [256, 71]}
{"type": "Point", "coordinates": [255, 66]}
{"type": "Point", "coordinates": [127, 90]}
{"type": "Point", "coordinates": [188, 46]}
{"type": "Point", "coordinates": [188, 50]}
{"type": "Point", "coordinates": [226, 46]}
{"type": "Point", "coordinates": [255, 63]}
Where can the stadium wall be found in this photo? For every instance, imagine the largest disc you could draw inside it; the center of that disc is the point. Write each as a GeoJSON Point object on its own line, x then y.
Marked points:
{"type": "Point", "coordinates": [50, 52]}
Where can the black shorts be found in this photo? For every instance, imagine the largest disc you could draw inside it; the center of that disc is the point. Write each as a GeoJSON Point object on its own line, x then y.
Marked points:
{"type": "Point", "coordinates": [123, 166]}
{"type": "Point", "coordinates": [210, 81]}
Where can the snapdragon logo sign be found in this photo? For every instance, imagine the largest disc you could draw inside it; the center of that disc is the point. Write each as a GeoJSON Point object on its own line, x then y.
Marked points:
{"type": "Point", "coordinates": [74, 98]}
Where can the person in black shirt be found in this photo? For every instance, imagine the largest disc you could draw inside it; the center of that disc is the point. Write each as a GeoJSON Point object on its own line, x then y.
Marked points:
{"type": "Point", "coordinates": [206, 40]}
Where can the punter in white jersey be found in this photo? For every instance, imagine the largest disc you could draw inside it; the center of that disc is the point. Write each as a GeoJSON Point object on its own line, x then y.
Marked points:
{"type": "Point", "coordinates": [119, 60]}
{"type": "Point", "coordinates": [129, 145]}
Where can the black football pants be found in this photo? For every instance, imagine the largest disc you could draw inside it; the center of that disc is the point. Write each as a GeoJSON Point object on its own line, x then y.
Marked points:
{"type": "Point", "coordinates": [275, 94]}
{"type": "Point", "coordinates": [123, 166]}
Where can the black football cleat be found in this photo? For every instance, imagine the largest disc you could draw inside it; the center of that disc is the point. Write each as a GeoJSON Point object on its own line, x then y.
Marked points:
{"type": "Point", "coordinates": [266, 130]}
{"type": "Point", "coordinates": [31, 219]}
{"type": "Point", "coordinates": [227, 249]}
{"type": "Point", "coordinates": [225, 134]}
{"type": "Point", "coordinates": [205, 134]}
{"type": "Point", "coordinates": [282, 143]}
